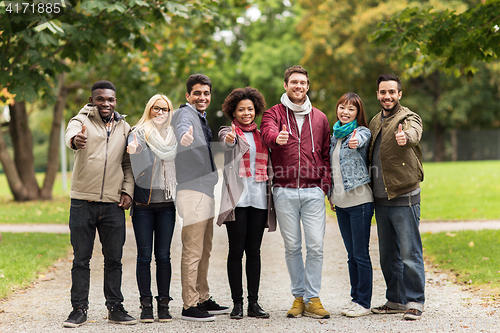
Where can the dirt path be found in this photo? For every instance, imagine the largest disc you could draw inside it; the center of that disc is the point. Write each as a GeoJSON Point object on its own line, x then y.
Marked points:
{"type": "Point", "coordinates": [46, 305]}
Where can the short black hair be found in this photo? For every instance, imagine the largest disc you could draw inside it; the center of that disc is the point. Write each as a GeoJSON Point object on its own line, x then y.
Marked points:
{"type": "Point", "coordinates": [198, 78]}
{"type": "Point", "coordinates": [388, 77]}
{"type": "Point", "coordinates": [240, 94]}
{"type": "Point", "coordinates": [103, 84]}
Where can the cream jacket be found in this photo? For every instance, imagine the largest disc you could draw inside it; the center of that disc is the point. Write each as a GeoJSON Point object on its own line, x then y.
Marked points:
{"type": "Point", "coordinates": [102, 170]}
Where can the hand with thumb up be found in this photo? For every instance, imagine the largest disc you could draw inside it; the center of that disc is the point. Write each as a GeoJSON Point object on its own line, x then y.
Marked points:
{"type": "Point", "coordinates": [282, 137]}
{"type": "Point", "coordinates": [353, 141]}
{"type": "Point", "coordinates": [80, 139]}
{"type": "Point", "coordinates": [187, 138]}
{"type": "Point", "coordinates": [132, 147]}
{"type": "Point", "coordinates": [401, 136]}
{"type": "Point", "coordinates": [231, 136]}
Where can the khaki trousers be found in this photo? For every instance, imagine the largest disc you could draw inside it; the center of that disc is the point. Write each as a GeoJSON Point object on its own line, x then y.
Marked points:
{"type": "Point", "coordinates": [197, 212]}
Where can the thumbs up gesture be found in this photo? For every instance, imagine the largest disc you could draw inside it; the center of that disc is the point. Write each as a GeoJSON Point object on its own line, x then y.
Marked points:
{"type": "Point", "coordinates": [132, 147]}
{"type": "Point", "coordinates": [187, 138]}
{"type": "Point", "coordinates": [353, 141]}
{"type": "Point", "coordinates": [80, 139]}
{"type": "Point", "coordinates": [282, 138]}
{"type": "Point", "coordinates": [401, 136]}
{"type": "Point", "coordinates": [231, 136]}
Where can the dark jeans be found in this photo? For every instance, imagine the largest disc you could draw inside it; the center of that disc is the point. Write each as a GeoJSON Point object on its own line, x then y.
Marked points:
{"type": "Point", "coordinates": [354, 223]}
{"type": "Point", "coordinates": [401, 254]}
{"type": "Point", "coordinates": [158, 224]}
{"type": "Point", "coordinates": [109, 220]}
{"type": "Point", "coordinates": [245, 235]}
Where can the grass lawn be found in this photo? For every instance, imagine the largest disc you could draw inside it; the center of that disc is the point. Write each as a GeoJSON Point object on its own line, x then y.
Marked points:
{"type": "Point", "coordinates": [55, 211]}
{"type": "Point", "coordinates": [24, 256]}
{"type": "Point", "coordinates": [472, 257]}
{"type": "Point", "coordinates": [460, 191]}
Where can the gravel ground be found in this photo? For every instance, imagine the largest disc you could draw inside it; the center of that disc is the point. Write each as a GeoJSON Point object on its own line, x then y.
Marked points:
{"type": "Point", "coordinates": [44, 306]}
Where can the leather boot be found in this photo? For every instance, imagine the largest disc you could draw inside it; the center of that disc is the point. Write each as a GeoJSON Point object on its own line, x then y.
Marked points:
{"type": "Point", "coordinates": [163, 312]}
{"type": "Point", "coordinates": [147, 309]}
{"type": "Point", "coordinates": [254, 310]}
{"type": "Point", "coordinates": [237, 312]}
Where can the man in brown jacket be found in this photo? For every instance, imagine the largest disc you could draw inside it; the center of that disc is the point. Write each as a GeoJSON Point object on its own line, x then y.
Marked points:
{"type": "Point", "coordinates": [102, 186]}
{"type": "Point", "coordinates": [396, 170]}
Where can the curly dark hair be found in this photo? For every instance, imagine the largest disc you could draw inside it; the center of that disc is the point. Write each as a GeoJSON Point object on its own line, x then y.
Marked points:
{"type": "Point", "coordinates": [240, 94]}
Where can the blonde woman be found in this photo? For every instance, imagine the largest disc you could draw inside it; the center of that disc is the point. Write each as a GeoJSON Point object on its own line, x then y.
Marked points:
{"type": "Point", "coordinates": [152, 147]}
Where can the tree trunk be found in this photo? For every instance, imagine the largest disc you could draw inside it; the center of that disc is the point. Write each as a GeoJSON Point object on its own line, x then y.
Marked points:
{"type": "Point", "coordinates": [54, 140]}
{"type": "Point", "coordinates": [439, 127]}
{"type": "Point", "coordinates": [439, 136]}
{"type": "Point", "coordinates": [9, 168]}
{"type": "Point", "coordinates": [23, 150]}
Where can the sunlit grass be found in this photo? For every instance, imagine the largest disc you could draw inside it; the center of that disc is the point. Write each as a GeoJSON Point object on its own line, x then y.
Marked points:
{"type": "Point", "coordinates": [55, 211]}
{"type": "Point", "coordinates": [472, 257]}
{"type": "Point", "coordinates": [460, 191]}
{"type": "Point", "coordinates": [23, 256]}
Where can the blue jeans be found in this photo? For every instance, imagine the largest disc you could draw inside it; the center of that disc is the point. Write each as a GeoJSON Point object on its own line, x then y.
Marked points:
{"type": "Point", "coordinates": [306, 204]}
{"type": "Point", "coordinates": [354, 224]}
{"type": "Point", "coordinates": [401, 257]}
{"type": "Point", "coordinates": [109, 220]}
{"type": "Point", "coordinates": [153, 223]}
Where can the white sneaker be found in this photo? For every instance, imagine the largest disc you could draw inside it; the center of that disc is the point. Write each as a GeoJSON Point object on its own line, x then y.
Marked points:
{"type": "Point", "coordinates": [357, 311]}
{"type": "Point", "coordinates": [347, 307]}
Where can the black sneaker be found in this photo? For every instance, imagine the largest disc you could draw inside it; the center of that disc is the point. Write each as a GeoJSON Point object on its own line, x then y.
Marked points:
{"type": "Point", "coordinates": [213, 308]}
{"type": "Point", "coordinates": [76, 318]}
{"type": "Point", "coordinates": [196, 313]}
{"type": "Point", "coordinates": [118, 315]}
{"type": "Point", "coordinates": [412, 314]}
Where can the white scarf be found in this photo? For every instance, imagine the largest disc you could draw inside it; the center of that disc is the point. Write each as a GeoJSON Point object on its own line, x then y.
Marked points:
{"type": "Point", "coordinates": [165, 149]}
{"type": "Point", "coordinates": [300, 110]}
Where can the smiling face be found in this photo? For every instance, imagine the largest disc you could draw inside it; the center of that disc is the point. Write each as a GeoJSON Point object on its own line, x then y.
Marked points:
{"type": "Point", "coordinates": [199, 97]}
{"type": "Point", "coordinates": [346, 113]}
{"type": "Point", "coordinates": [104, 100]}
{"type": "Point", "coordinates": [297, 88]}
{"type": "Point", "coordinates": [245, 112]}
{"type": "Point", "coordinates": [388, 95]}
{"type": "Point", "coordinates": [159, 112]}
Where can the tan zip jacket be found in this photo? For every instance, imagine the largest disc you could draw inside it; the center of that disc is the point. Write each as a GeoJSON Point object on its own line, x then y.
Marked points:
{"type": "Point", "coordinates": [402, 169]}
{"type": "Point", "coordinates": [102, 170]}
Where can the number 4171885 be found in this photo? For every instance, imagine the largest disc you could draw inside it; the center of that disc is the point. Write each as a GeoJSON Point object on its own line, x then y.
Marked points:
{"type": "Point", "coordinates": [32, 8]}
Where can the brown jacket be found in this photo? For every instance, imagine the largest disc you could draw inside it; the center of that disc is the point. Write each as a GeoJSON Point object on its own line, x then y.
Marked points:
{"type": "Point", "coordinates": [102, 170]}
{"type": "Point", "coordinates": [232, 186]}
{"type": "Point", "coordinates": [402, 169]}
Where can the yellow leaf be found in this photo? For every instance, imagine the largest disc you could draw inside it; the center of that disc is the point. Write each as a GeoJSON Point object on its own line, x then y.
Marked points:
{"type": "Point", "coordinates": [471, 244]}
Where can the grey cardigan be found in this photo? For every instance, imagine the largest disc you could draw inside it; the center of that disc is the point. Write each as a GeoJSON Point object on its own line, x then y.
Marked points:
{"type": "Point", "coordinates": [232, 186]}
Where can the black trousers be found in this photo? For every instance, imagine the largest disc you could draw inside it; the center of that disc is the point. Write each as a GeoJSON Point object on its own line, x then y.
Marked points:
{"type": "Point", "coordinates": [245, 235]}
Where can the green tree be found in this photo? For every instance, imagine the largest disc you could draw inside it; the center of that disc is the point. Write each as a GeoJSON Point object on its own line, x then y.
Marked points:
{"type": "Point", "coordinates": [426, 39]}
{"type": "Point", "coordinates": [255, 52]}
{"type": "Point", "coordinates": [36, 52]}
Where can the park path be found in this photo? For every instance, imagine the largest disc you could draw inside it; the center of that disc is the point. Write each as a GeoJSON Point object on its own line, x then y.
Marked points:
{"type": "Point", "coordinates": [44, 306]}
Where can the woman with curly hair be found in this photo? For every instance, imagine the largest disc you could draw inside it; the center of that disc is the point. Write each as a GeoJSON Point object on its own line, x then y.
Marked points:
{"type": "Point", "coordinates": [246, 204]}
{"type": "Point", "coordinates": [152, 147]}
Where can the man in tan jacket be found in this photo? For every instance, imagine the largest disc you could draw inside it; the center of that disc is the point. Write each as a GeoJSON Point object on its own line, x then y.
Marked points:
{"type": "Point", "coordinates": [102, 186]}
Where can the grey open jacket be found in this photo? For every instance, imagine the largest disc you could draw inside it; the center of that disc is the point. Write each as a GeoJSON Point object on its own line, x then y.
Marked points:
{"type": "Point", "coordinates": [233, 187]}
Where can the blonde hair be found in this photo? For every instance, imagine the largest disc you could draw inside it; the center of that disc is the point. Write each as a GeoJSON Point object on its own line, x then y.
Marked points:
{"type": "Point", "coordinates": [145, 124]}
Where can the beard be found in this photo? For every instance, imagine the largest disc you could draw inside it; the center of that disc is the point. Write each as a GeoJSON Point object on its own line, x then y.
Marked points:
{"type": "Point", "coordinates": [391, 109]}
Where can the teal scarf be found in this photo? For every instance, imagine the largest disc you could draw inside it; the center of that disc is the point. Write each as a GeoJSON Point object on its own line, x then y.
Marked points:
{"type": "Point", "coordinates": [341, 131]}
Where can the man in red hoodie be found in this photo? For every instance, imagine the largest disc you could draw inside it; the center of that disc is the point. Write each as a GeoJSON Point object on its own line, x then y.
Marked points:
{"type": "Point", "coordinates": [299, 138]}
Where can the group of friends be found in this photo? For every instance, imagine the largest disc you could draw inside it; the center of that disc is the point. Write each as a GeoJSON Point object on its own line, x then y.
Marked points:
{"type": "Point", "coordinates": [278, 175]}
